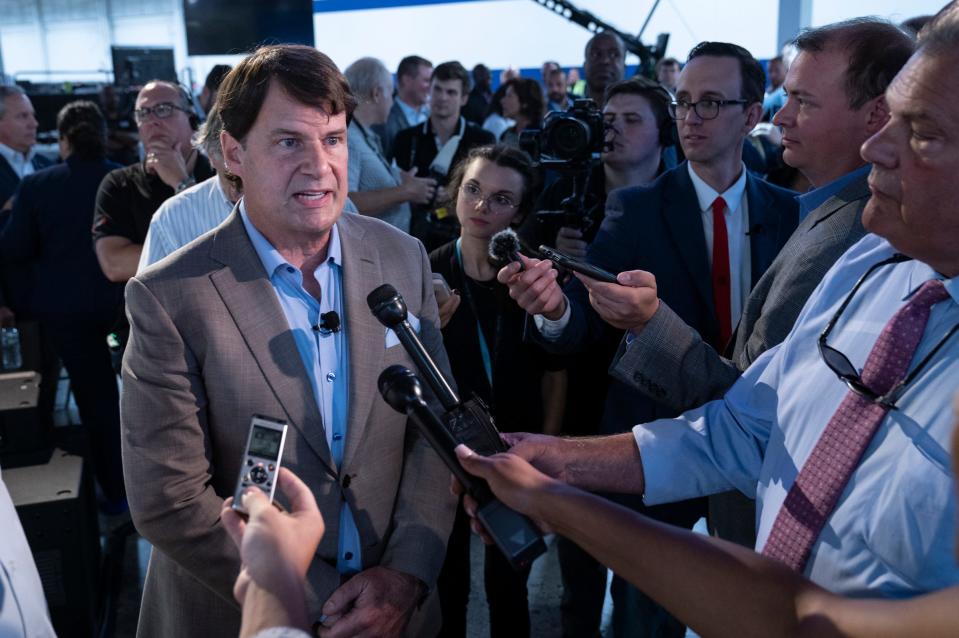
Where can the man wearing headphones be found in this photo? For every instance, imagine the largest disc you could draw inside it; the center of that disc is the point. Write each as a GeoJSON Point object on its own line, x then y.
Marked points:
{"type": "Point", "coordinates": [129, 196]}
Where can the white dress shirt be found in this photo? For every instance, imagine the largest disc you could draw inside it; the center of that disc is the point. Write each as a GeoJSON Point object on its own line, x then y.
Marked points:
{"type": "Point", "coordinates": [23, 609]}
{"type": "Point", "coordinates": [22, 164]}
{"type": "Point", "coordinates": [737, 225]}
{"type": "Point", "coordinates": [183, 218]}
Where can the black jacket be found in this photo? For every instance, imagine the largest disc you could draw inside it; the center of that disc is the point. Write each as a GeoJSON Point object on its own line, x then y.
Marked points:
{"type": "Point", "coordinates": [416, 146]}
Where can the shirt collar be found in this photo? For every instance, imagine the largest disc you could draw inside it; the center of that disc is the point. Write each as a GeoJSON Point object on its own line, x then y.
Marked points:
{"type": "Point", "coordinates": [706, 194]}
{"type": "Point", "coordinates": [920, 273]}
{"type": "Point", "coordinates": [219, 189]}
{"type": "Point", "coordinates": [271, 258]}
{"type": "Point", "coordinates": [16, 159]}
{"type": "Point", "coordinates": [815, 198]}
{"type": "Point", "coordinates": [412, 115]}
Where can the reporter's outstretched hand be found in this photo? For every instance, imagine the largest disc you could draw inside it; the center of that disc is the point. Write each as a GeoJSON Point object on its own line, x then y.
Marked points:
{"type": "Point", "coordinates": [276, 547]}
{"type": "Point", "coordinates": [628, 304]}
{"type": "Point", "coordinates": [534, 287]}
{"type": "Point", "coordinates": [513, 480]}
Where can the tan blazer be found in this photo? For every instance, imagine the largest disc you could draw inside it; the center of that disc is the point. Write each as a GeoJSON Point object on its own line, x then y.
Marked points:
{"type": "Point", "coordinates": [209, 347]}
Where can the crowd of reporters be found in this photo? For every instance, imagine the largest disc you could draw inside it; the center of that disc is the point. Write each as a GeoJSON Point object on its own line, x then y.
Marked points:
{"type": "Point", "coordinates": [690, 202]}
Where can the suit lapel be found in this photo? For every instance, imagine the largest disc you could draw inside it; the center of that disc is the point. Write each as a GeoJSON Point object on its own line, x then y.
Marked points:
{"type": "Point", "coordinates": [8, 178]}
{"type": "Point", "coordinates": [763, 227]}
{"type": "Point", "coordinates": [684, 222]}
{"type": "Point", "coordinates": [856, 190]}
{"type": "Point", "coordinates": [251, 301]}
{"type": "Point", "coordinates": [365, 335]}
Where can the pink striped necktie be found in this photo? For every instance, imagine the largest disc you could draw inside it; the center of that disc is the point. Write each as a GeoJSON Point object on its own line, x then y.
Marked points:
{"type": "Point", "coordinates": [817, 489]}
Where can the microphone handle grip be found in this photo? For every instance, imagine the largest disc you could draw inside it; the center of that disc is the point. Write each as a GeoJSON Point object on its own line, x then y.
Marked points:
{"type": "Point", "coordinates": [437, 382]}
{"type": "Point", "coordinates": [443, 442]}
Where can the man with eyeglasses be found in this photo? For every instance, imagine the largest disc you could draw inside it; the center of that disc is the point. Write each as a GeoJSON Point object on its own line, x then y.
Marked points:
{"type": "Point", "coordinates": [836, 102]}
{"type": "Point", "coordinates": [129, 196]}
{"type": "Point", "coordinates": [840, 430]}
{"type": "Point", "coordinates": [706, 229]}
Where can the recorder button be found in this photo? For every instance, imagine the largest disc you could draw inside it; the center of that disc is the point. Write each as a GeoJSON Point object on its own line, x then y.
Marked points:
{"type": "Point", "coordinates": [258, 474]}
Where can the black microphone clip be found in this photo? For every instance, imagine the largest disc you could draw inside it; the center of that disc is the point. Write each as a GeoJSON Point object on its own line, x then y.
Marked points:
{"type": "Point", "coordinates": [329, 323]}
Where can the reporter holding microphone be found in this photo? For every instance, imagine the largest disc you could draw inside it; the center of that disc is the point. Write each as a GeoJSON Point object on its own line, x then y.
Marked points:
{"type": "Point", "coordinates": [491, 189]}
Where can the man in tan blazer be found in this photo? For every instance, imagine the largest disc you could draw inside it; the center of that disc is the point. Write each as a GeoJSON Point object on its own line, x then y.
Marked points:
{"type": "Point", "coordinates": [224, 329]}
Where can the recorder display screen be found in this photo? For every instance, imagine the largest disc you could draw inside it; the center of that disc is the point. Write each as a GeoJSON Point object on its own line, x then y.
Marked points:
{"type": "Point", "coordinates": [265, 442]}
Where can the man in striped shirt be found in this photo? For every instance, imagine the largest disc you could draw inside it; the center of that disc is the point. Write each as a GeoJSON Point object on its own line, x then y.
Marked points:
{"type": "Point", "coordinates": [200, 208]}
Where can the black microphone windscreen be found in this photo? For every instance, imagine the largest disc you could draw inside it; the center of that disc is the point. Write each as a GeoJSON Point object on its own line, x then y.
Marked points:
{"type": "Point", "coordinates": [503, 246]}
{"type": "Point", "coordinates": [380, 295]}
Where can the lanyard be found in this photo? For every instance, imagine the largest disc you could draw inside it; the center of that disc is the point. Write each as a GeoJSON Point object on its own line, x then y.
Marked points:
{"type": "Point", "coordinates": [484, 349]}
{"type": "Point", "coordinates": [375, 146]}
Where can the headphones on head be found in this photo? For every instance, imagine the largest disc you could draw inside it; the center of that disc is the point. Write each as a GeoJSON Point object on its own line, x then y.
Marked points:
{"type": "Point", "coordinates": [668, 135]}
{"type": "Point", "coordinates": [188, 100]}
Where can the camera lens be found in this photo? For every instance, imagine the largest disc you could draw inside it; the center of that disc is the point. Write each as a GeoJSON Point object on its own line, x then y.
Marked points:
{"type": "Point", "coordinates": [569, 138]}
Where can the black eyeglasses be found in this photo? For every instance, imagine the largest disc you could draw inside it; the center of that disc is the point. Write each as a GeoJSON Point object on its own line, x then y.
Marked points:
{"type": "Point", "coordinates": [846, 371]}
{"type": "Point", "coordinates": [161, 111]}
{"type": "Point", "coordinates": [705, 109]}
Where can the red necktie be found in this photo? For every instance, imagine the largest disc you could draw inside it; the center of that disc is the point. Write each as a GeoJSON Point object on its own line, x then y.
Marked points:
{"type": "Point", "coordinates": [836, 454]}
{"type": "Point", "coordinates": [721, 284]}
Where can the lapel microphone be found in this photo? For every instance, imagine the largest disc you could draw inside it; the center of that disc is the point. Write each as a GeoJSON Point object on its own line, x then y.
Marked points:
{"type": "Point", "coordinates": [329, 323]}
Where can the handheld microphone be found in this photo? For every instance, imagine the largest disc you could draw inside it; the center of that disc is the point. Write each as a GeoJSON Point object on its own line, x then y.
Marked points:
{"type": "Point", "coordinates": [469, 422]}
{"type": "Point", "coordinates": [577, 265]}
{"type": "Point", "coordinates": [504, 247]}
{"type": "Point", "coordinates": [329, 323]}
{"type": "Point", "coordinates": [514, 534]}
{"type": "Point", "coordinates": [389, 307]}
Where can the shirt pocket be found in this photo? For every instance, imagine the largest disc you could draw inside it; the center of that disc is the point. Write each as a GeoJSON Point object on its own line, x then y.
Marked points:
{"type": "Point", "coordinates": [911, 525]}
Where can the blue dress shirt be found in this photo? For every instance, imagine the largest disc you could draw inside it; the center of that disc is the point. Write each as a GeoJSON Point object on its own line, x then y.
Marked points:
{"type": "Point", "coordinates": [893, 530]}
{"type": "Point", "coordinates": [325, 357]}
{"type": "Point", "coordinates": [815, 198]}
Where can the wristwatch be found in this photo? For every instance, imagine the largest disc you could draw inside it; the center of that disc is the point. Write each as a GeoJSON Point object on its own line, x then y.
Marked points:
{"type": "Point", "coordinates": [185, 184]}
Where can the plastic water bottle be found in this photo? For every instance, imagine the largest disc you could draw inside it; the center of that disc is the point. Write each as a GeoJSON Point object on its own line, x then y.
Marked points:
{"type": "Point", "coordinates": [10, 341]}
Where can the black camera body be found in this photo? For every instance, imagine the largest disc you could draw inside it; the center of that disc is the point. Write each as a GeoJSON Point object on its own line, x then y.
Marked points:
{"type": "Point", "coordinates": [567, 137]}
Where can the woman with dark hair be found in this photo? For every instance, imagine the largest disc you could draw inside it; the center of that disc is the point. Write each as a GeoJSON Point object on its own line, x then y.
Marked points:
{"type": "Point", "coordinates": [495, 123]}
{"type": "Point", "coordinates": [76, 306]}
{"type": "Point", "coordinates": [493, 188]}
{"type": "Point", "coordinates": [524, 104]}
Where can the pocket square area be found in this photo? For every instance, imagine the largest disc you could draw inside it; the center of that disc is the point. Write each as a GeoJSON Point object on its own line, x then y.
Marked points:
{"type": "Point", "coordinates": [393, 340]}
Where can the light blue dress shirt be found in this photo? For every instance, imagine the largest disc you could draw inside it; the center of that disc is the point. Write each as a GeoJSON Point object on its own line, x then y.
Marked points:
{"type": "Point", "coordinates": [325, 357]}
{"type": "Point", "coordinates": [815, 198]}
{"type": "Point", "coordinates": [413, 115]}
{"type": "Point", "coordinates": [893, 530]}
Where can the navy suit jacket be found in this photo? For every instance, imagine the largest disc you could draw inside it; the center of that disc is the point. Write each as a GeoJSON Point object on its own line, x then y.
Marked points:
{"type": "Point", "coordinates": [14, 291]}
{"type": "Point", "coordinates": [659, 228]}
{"type": "Point", "coordinates": [48, 235]}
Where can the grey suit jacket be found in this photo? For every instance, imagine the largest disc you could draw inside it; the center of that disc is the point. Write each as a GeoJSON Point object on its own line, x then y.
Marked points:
{"type": "Point", "coordinates": [209, 347]}
{"type": "Point", "coordinates": [671, 363]}
{"type": "Point", "coordinates": [395, 122]}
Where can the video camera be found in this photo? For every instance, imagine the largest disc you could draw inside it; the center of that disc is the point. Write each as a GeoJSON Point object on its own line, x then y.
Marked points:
{"type": "Point", "coordinates": [570, 143]}
{"type": "Point", "coordinates": [567, 139]}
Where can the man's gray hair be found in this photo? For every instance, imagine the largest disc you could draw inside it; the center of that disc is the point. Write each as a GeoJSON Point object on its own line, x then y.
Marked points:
{"type": "Point", "coordinates": [365, 75]}
{"type": "Point", "coordinates": [941, 34]}
{"type": "Point", "coordinates": [207, 137]}
{"type": "Point", "coordinates": [7, 90]}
